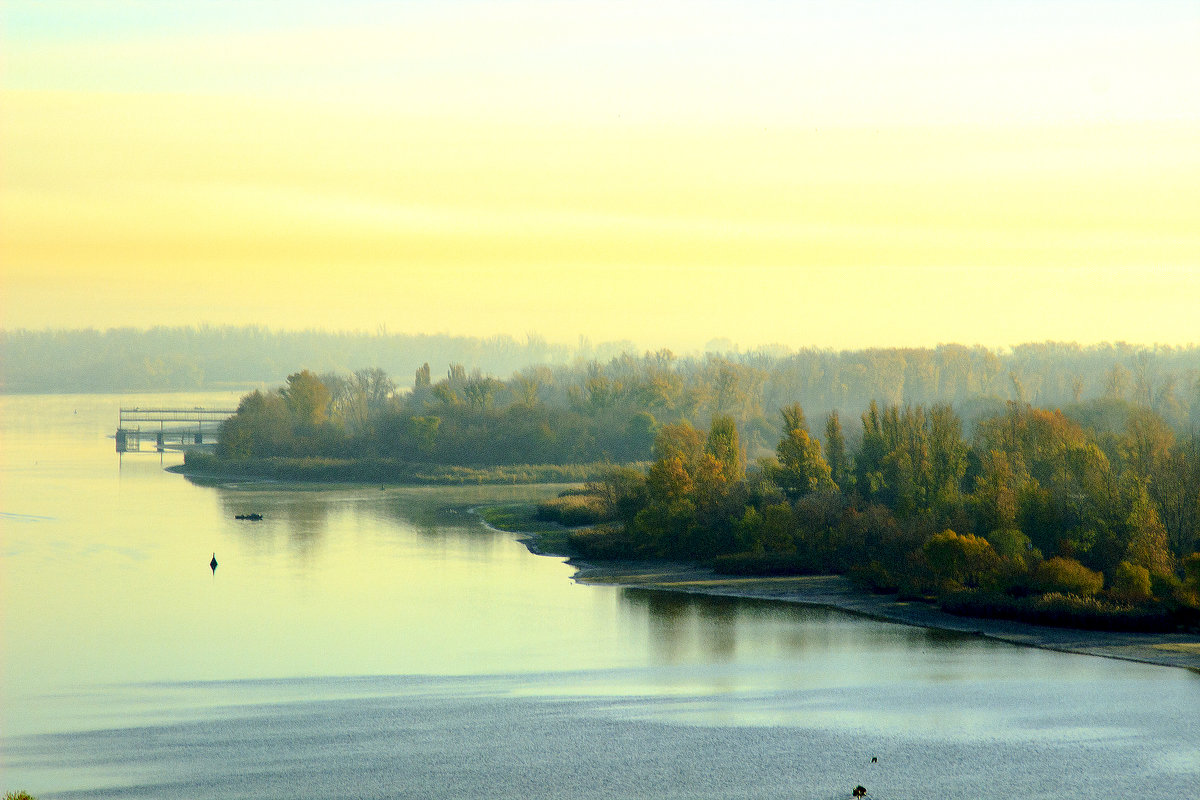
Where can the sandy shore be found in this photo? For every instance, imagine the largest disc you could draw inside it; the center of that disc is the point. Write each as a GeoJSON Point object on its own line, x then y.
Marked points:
{"type": "Point", "coordinates": [835, 591]}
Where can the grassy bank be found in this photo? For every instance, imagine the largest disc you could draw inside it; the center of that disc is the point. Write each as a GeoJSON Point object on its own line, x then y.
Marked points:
{"type": "Point", "coordinates": [543, 537]}
{"type": "Point", "coordinates": [381, 470]}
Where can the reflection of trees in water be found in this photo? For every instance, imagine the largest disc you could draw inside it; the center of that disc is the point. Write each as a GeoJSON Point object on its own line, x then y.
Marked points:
{"type": "Point", "coordinates": [681, 623]}
{"type": "Point", "coordinates": [305, 516]}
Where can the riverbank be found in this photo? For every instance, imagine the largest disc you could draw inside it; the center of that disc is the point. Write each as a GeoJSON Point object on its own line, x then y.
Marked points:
{"type": "Point", "coordinates": [207, 466]}
{"type": "Point", "coordinates": [835, 591]}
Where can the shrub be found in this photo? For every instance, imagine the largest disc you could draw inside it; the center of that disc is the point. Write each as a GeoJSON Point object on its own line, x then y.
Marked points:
{"type": "Point", "coordinates": [876, 577]}
{"type": "Point", "coordinates": [1131, 583]}
{"type": "Point", "coordinates": [1067, 576]}
{"type": "Point", "coordinates": [574, 508]}
{"type": "Point", "coordinates": [1057, 609]}
{"type": "Point", "coordinates": [1010, 543]}
{"type": "Point", "coordinates": [604, 543]}
{"type": "Point", "coordinates": [962, 559]}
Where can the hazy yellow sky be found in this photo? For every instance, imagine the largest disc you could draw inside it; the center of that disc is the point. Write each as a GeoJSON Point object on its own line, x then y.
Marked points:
{"type": "Point", "coordinates": [837, 174]}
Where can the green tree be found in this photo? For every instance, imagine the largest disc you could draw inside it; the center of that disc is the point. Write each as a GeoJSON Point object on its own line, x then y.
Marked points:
{"type": "Point", "coordinates": [1131, 583]}
{"type": "Point", "coordinates": [947, 462]}
{"type": "Point", "coordinates": [1148, 546]}
{"type": "Point", "coordinates": [1068, 576]}
{"type": "Point", "coordinates": [1012, 544]}
{"type": "Point", "coordinates": [995, 496]}
{"type": "Point", "coordinates": [640, 432]}
{"type": "Point", "coordinates": [262, 427]}
{"type": "Point", "coordinates": [801, 468]}
{"type": "Point", "coordinates": [964, 559]}
{"type": "Point", "coordinates": [868, 463]}
{"type": "Point", "coordinates": [1175, 489]}
{"type": "Point", "coordinates": [1191, 569]}
{"type": "Point", "coordinates": [723, 446]}
{"type": "Point", "coordinates": [840, 468]}
{"type": "Point", "coordinates": [1147, 442]}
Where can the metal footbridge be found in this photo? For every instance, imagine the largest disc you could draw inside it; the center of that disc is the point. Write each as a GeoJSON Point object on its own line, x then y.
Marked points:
{"type": "Point", "coordinates": [173, 427]}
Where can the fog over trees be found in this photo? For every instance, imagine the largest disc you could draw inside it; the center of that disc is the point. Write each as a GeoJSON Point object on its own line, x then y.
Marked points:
{"type": "Point", "coordinates": [184, 358]}
{"type": "Point", "coordinates": [751, 386]}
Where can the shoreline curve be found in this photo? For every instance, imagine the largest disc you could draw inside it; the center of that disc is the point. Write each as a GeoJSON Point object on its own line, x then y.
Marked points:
{"type": "Point", "coordinates": [1180, 650]}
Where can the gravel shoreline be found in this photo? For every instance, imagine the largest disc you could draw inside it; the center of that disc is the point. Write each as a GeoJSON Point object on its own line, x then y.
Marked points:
{"type": "Point", "coordinates": [834, 591]}
{"type": "Point", "coordinates": [1180, 650]}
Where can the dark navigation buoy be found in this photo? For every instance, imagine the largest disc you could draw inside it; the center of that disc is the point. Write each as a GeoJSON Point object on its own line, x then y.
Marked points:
{"type": "Point", "coordinates": [213, 563]}
{"type": "Point", "coordinates": [859, 791]}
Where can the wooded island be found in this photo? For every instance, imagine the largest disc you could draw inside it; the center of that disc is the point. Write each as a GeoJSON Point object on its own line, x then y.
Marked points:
{"type": "Point", "coordinates": [951, 485]}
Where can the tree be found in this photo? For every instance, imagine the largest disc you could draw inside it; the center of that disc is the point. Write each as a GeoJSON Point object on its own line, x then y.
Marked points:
{"type": "Point", "coordinates": [801, 468]}
{"type": "Point", "coordinates": [995, 497]}
{"type": "Point", "coordinates": [307, 399]}
{"type": "Point", "coordinates": [639, 432]}
{"type": "Point", "coordinates": [376, 386]}
{"type": "Point", "coordinates": [1116, 382]}
{"type": "Point", "coordinates": [868, 463]}
{"type": "Point", "coordinates": [723, 446]}
{"type": "Point", "coordinates": [1012, 544]}
{"type": "Point", "coordinates": [262, 427]}
{"type": "Point", "coordinates": [1175, 489]}
{"type": "Point", "coordinates": [947, 458]}
{"type": "Point", "coordinates": [1068, 576]}
{"type": "Point", "coordinates": [835, 454]}
{"type": "Point", "coordinates": [1147, 443]}
{"type": "Point", "coordinates": [480, 391]}
{"type": "Point", "coordinates": [528, 384]}
{"type": "Point", "coordinates": [1148, 545]}
{"type": "Point", "coordinates": [1131, 583]}
{"type": "Point", "coordinates": [677, 453]}
{"type": "Point", "coordinates": [965, 559]}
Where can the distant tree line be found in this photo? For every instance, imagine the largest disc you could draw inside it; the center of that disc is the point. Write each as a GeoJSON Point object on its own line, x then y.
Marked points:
{"type": "Point", "coordinates": [589, 409]}
{"type": "Point", "coordinates": [749, 386]}
{"type": "Point", "coordinates": [207, 357]}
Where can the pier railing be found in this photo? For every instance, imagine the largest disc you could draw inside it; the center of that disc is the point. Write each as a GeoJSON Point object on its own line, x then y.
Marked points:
{"type": "Point", "coordinates": [174, 427]}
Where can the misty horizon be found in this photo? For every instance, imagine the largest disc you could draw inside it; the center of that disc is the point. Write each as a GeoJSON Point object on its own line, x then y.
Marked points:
{"type": "Point", "coordinates": [583, 342]}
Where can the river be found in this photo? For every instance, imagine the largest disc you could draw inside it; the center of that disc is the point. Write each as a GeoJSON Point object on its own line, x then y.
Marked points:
{"type": "Point", "coordinates": [382, 643]}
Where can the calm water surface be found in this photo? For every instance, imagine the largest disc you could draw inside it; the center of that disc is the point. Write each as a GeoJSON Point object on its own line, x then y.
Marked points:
{"type": "Point", "coordinates": [374, 643]}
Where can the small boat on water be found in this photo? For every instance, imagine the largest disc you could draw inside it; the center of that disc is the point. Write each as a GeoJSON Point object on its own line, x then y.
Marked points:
{"type": "Point", "coordinates": [254, 517]}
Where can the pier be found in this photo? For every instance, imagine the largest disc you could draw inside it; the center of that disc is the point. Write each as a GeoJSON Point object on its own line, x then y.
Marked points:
{"type": "Point", "coordinates": [174, 427]}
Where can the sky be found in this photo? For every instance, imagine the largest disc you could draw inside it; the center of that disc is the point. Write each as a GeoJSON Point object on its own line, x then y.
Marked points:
{"type": "Point", "coordinates": [831, 174]}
